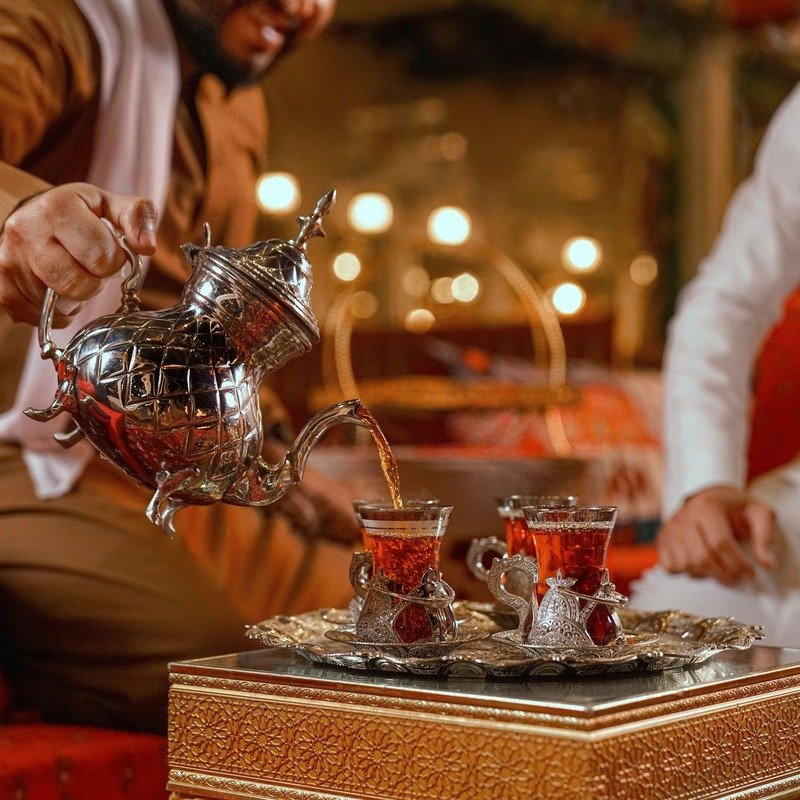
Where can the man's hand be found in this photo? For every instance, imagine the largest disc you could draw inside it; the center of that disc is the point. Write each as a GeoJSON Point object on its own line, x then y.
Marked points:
{"type": "Point", "coordinates": [57, 239]}
{"type": "Point", "coordinates": [705, 536]}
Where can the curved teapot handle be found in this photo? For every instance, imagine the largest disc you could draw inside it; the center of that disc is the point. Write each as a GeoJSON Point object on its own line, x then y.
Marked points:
{"type": "Point", "coordinates": [130, 298]}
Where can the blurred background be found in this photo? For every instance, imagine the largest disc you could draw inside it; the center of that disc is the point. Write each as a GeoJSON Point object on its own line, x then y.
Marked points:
{"type": "Point", "coordinates": [524, 186]}
{"type": "Point", "coordinates": [593, 142]}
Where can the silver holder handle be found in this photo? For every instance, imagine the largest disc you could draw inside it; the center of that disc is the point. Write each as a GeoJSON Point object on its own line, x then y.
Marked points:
{"type": "Point", "coordinates": [477, 553]}
{"type": "Point", "coordinates": [360, 572]}
{"type": "Point", "coordinates": [524, 607]}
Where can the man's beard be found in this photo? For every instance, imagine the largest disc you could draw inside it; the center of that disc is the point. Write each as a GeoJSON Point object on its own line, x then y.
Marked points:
{"type": "Point", "coordinates": [199, 31]}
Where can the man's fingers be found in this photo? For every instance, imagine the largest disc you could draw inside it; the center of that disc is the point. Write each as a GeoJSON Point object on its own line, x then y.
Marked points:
{"type": "Point", "coordinates": [64, 274]}
{"type": "Point", "coordinates": [725, 558]}
{"type": "Point", "coordinates": [761, 520]}
{"type": "Point", "coordinates": [90, 243]}
{"type": "Point", "coordinates": [136, 218]}
{"type": "Point", "coordinates": [701, 560]}
{"type": "Point", "coordinates": [681, 548]}
{"type": "Point", "coordinates": [668, 549]}
{"type": "Point", "coordinates": [300, 512]}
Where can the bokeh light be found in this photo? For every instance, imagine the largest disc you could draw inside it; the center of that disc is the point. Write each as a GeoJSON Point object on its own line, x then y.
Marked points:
{"type": "Point", "coordinates": [363, 304]}
{"type": "Point", "coordinates": [442, 290]}
{"type": "Point", "coordinates": [581, 254]}
{"type": "Point", "coordinates": [278, 193]}
{"type": "Point", "coordinates": [466, 287]}
{"type": "Point", "coordinates": [346, 266]}
{"type": "Point", "coordinates": [449, 225]}
{"type": "Point", "coordinates": [416, 281]}
{"type": "Point", "coordinates": [453, 146]}
{"type": "Point", "coordinates": [370, 213]}
{"type": "Point", "coordinates": [568, 298]}
{"type": "Point", "coordinates": [644, 269]}
{"type": "Point", "coordinates": [419, 320]}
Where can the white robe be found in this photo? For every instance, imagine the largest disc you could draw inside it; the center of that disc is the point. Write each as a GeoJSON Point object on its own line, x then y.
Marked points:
{"type": "Point", "coordinates": [722, 318]}
{"type": "Point", "coordinates": [131, 155]}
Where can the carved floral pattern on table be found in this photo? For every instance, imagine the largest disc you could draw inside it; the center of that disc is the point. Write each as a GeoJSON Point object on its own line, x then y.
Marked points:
{"type": "Point", "coordinates": [259, 744]}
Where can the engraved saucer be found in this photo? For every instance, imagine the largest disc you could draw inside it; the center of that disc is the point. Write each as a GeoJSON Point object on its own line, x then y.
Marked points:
{"type": "Point", "coordinates": [682, 640]}
{"type": "Point", "coordinates": [347, 634]}
{"type": "Point", "coordinates": [628, 643]}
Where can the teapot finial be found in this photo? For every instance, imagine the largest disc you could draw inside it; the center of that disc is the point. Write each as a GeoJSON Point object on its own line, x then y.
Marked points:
{"type": "Point", "coordinates": [311, 225]}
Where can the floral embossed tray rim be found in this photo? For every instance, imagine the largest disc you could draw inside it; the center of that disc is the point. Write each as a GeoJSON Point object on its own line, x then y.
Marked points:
{"type": "Point", "coordinates": [683, 640]}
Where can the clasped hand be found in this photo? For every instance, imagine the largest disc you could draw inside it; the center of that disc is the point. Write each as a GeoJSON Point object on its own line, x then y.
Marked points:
{"type": "Point", "coordinates": [57, 239]}
{"type": "Point", "coordinates": [717, 533]}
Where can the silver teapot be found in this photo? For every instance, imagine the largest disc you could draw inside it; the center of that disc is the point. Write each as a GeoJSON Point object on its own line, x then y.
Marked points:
{"type": "Point", "coordinates": [172, 397]}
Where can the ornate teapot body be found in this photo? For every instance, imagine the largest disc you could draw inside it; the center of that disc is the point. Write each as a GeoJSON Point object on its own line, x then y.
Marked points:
{"type": "Point", "coordinates": [172, 397]}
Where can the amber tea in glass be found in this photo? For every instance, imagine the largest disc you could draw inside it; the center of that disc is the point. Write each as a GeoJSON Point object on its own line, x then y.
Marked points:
{"type": "Point", "coordinates": [575, 541]}
{"type": "Point", "coordinates": [407, 503]}
{"type": "Point", "coordinates": [404, 543]}
{"type": "Point", "coordinates": [519, 540]}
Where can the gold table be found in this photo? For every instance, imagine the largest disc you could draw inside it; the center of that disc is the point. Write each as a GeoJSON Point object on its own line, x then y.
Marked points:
{"type": "Point", "coordinates": [267, 724]}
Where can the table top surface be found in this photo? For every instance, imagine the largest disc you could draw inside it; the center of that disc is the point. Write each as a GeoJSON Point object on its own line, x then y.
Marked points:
{"type": "Point", "coordinates": [584, 697]}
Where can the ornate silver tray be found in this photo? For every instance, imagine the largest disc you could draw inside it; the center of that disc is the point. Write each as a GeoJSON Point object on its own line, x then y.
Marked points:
{"type": "Point", "coordinates": [681, 640]}
{"type": "Point", "coordinates": [424, 649]}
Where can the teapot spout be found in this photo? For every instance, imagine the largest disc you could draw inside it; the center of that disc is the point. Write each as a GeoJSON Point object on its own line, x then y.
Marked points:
{"type": "Point", "coordinates": [265, 483]}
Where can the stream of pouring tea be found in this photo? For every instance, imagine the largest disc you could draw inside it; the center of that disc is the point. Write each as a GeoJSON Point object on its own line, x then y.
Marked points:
{"type": "Point", "coordinates": [387, 459]}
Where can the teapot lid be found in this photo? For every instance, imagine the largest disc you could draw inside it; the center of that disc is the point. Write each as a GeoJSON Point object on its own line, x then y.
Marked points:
{"type": "Point", "coordinates": [282, 269]}
{"type": "Point", "coordinates": [279, 267]}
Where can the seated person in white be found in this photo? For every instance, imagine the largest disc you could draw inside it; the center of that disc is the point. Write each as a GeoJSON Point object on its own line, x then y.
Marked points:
{"type": "Point", "coordinates": [726, 547]}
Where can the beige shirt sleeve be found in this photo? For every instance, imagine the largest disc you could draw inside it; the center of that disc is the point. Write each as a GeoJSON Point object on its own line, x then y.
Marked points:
{"type": "Point", "coordinates": [15, 186]}
{"type": "Point", "coordinates": [48, 82]}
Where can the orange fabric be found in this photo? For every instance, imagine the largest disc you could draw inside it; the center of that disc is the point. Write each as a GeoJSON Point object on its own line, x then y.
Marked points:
{"type": "Point", "coordinates": [775, 427]}
{"type": "Point", "coordinates": [627, 562]}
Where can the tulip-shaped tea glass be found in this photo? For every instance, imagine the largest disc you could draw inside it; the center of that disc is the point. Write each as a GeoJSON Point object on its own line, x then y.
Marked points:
{"type": "Point", "coordinates": [518, 540]}
{"type": "Point", "coordinates": [571, 547]}
{"type": "Point", "coordinates": [405, 590]}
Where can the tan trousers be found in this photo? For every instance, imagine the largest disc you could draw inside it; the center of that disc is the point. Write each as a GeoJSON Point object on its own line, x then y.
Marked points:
{"type": "Point", "coordinates": [95, 600]}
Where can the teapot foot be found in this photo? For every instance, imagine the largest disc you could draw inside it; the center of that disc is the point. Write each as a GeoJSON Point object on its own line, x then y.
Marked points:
{"type": "Point", "coordinates": [46, 414]}
{"type": "Point", "coordinates": [161, 513]}
{"type": "Point", "coordinates": [190, 481]}
{"type": "Point", "coordinates": [70, 437]}
{"type": "Point", "coordinates": [163, 505]}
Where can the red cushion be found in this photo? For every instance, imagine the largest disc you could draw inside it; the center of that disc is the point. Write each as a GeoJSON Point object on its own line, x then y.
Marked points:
{"type": "Point", "coordinates": [775, 429]}
{"type": "Point", "coordinates": [50, 762]}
